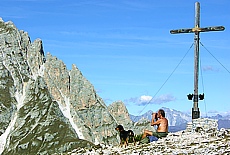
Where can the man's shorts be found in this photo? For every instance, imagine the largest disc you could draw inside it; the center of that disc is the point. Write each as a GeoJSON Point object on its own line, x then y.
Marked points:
{"type": "Point", "coordinates": [159, 134]}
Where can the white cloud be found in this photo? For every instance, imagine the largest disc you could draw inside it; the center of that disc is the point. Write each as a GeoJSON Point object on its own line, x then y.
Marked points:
{"type": "Point", "coordinates": [209, 68]}
{"type": "Point", "coordinates": [146, 99]}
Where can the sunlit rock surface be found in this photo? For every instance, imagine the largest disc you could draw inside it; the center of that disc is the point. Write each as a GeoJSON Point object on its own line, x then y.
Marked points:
{"type": "Point", "coordinates": [39, 125]}
{"type": "Point", "coordinates": [45, 108]}
{"type": "Point", "coordinates": [79, 102]}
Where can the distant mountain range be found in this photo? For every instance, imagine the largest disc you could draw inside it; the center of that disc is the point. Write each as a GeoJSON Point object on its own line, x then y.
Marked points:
{"type": "Point", "coordinates": [178, 120]}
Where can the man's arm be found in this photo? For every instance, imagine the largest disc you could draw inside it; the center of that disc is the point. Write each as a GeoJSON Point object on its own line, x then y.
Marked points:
{"type": "Point", "coordinates": [153, 122]}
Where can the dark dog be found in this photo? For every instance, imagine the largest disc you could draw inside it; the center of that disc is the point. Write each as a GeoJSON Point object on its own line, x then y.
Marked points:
{"type": "Point", "coordinates": [125, 135]}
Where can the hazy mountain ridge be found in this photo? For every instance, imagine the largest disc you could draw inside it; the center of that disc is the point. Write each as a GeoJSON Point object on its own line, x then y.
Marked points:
{"type": "Point", "coordinates": [178, 120]}
{"type": "Point", "coordinates": [174, 117]}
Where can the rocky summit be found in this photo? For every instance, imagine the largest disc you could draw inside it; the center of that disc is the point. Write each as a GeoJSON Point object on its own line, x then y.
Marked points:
{"type": "Point", "coordinates": [47, 109]}
{"type": "Point", "coordinates": [212, 142]}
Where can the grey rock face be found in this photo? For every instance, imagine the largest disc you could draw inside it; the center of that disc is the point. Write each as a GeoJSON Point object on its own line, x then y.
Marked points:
{"type": "Point", "coordinates": [40, 127]}
{"type": "Point", "coordinates": [120, 113]}
{"type": "Point", "coordinates": [77, 97]}
{"type": "Point", "coordinates": [90, 108]}
{"type": "Point", "coordinates": [46, 108]}
{"type": "Point", "coordinates": [7, 100]}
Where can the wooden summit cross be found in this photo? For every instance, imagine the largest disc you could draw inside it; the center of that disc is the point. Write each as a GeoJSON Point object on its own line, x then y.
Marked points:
{"type": "Point", "coordinates": [196, 30]}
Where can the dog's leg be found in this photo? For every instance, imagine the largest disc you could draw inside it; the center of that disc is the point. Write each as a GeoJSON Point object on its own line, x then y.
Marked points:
{"type": "Point", "coordinates": [126, 142]}
{"type": "Point", "coordinates": [134, 141]}
{"type": "Point", "coordinates": [120, 143]}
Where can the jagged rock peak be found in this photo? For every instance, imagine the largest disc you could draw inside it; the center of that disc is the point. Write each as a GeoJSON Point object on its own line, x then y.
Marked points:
{"type": "Point", "coordinates": [79, 102]}
{"type": "Point", "coordinates": [39, 126]}
{"type": "Point", "coordinates": [19, 54]}
{"type": "Point", "coordinates": [120, 112]}
{"type": "Point", "coordinates": [45, 108]}
{"type": "Point", "coordinates": [30, 120]}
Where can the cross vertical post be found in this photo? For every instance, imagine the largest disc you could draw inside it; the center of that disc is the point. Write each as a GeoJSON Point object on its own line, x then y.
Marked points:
{"type": "Point", "coordinates": [195, 109]}
{"type": "Point", "coordinates": [196, 30]}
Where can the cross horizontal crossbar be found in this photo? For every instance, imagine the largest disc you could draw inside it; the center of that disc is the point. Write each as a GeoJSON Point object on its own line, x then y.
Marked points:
{"type": "Point", "coordinates": [198, 29]}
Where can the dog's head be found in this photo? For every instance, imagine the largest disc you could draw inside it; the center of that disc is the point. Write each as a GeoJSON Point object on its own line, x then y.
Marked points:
{"type": "Point", "coordinates": [119, 128]}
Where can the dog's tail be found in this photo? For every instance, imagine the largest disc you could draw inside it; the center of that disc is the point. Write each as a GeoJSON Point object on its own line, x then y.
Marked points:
{"type": "Point", "coordinates": [131, 133]}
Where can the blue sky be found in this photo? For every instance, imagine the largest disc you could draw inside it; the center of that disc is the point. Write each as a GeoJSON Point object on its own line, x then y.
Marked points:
{"type": "Point", "coordinates": [125, 50]}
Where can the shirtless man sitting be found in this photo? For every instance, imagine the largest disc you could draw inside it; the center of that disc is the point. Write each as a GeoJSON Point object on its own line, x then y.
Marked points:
{"type": "Point", "coordinates": [162, 125]}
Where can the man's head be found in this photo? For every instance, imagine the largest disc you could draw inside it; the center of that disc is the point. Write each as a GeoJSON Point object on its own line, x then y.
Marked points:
{"type": "Point", "coordinates": [161, 112]}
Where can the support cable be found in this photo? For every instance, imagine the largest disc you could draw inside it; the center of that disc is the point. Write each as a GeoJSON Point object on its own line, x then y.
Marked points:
{"type": "Point", "coordinates": [201, 72]}
{"type": "Point", "coordinates": [215, 58]}
{"type": "Point", "coordinates": [166, 79]}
